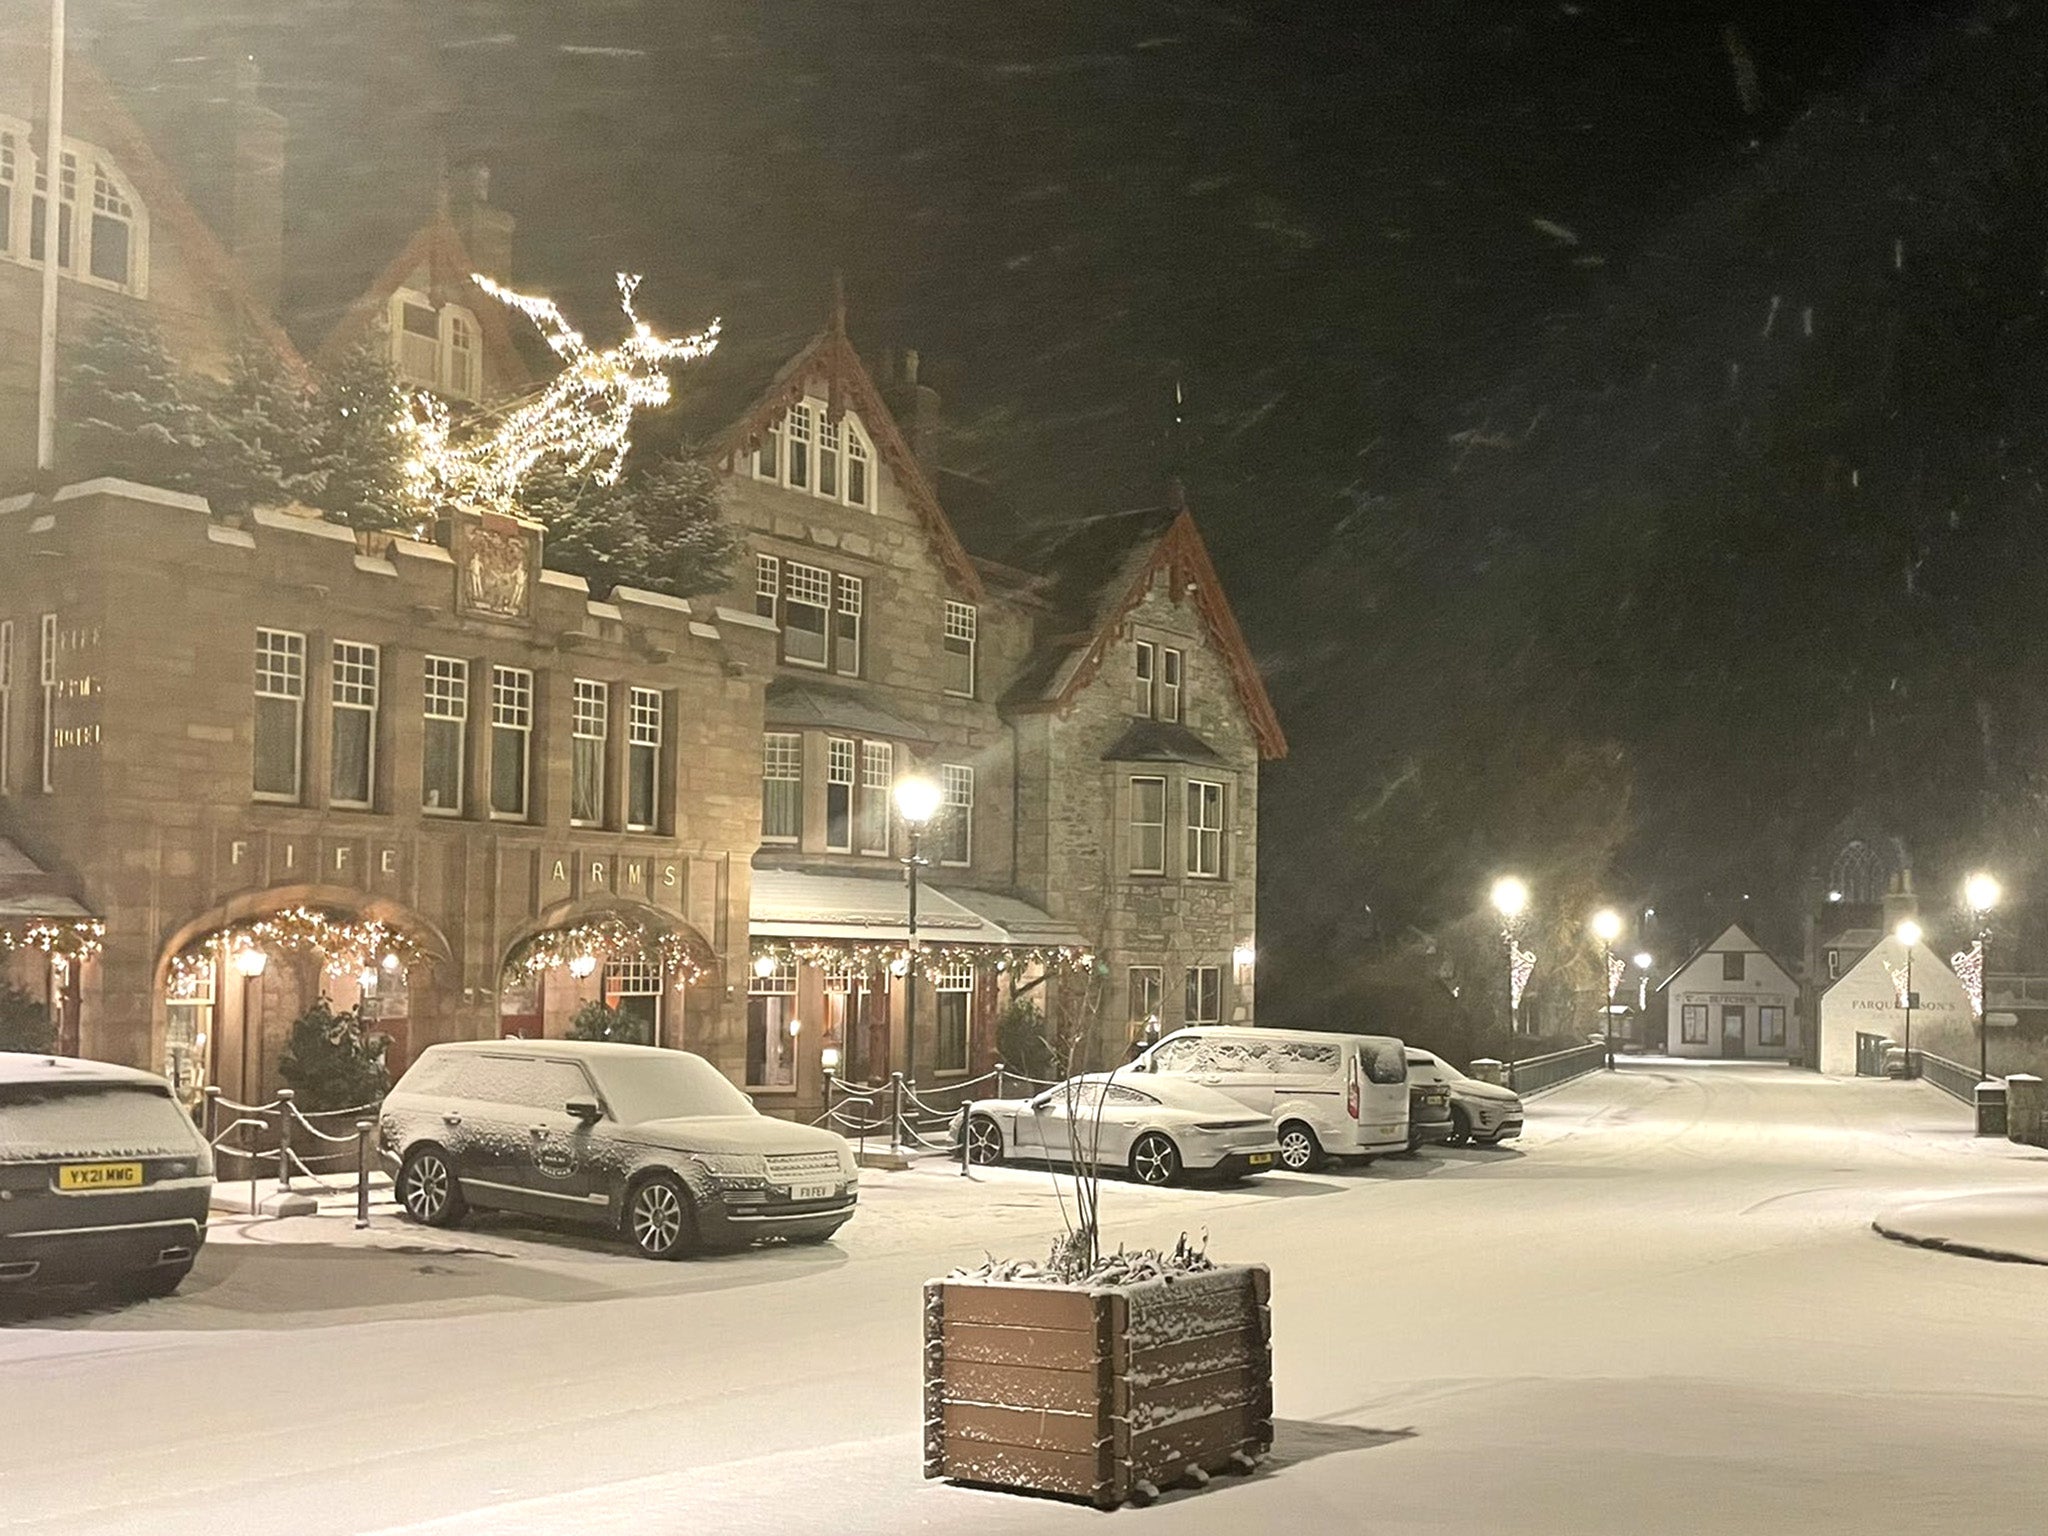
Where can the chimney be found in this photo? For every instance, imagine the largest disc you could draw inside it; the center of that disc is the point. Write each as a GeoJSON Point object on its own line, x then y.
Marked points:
{"type": "Point", "coordinates": [1899, 901]}
{"type": "Point", "coordinates": [916, 409]}
{"type": "Point", "coordinates": [232, 154]}
{"type": "Point", "coordinates": [486, 230]}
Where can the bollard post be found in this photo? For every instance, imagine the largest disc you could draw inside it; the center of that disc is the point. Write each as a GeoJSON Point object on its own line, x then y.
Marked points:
{"type": "Point", "coordinates": [212, 1113]}
{"type": "Point", "coordinates": [831, 1076]}
{"type": "Point", "coordinates": [284, 1139]}
{"type": "Point", "coordinates": [362, 1174]}
{"type": "Point", "coordinates": [999, 1080]}
{"type": "Point", "coordinates": [895, 1111]}
{"type": "Point", "coordinates": [965, 1117]}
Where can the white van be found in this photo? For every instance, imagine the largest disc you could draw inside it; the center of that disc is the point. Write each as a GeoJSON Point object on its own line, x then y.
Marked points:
{"type": "Point", "coordinates": [1330, 1095]}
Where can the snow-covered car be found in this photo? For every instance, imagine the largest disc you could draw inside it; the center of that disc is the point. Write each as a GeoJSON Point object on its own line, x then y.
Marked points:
{"type": "Point", "coordinates": [657, 1145]}
{"type": "Point", "coordinates": [103, 1177]}
{"type": "Point", "coordinates": [1159, 1131]}
{"type": "Point", "coordinates": [1481, 1112]}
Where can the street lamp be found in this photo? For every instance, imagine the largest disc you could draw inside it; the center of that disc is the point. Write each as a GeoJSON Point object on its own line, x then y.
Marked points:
{"type": "Point", "coordinates": [1644, 960]}
{"type": "Point", "coordinates": [917, 801]}
{"type": "Point", "coordinates": [1607, 928]}
{"type": "Point", "coordinates": [250, 964]}
{"type": "Point", "coordinates": [1981, 892]}
{"type": "Point", "coordinates": [1511, 902]}
{"type": "Point", "coordinates": [1908, 935]}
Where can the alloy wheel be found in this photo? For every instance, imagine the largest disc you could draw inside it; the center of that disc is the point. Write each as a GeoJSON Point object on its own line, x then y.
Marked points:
{"type": "Point", "coordinates": [427, 1186]}
{"type": "Point", "coordinates": [1297, 1149]}
{"type": "Point", "coordinates": [984, 1141]}
{"type": "Point", "coordinates": [1154, 1159]}
{"type": "Point", "coordinates": [657, 1218]}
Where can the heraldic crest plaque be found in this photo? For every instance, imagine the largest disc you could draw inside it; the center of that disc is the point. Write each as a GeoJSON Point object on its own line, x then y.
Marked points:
{"type": "Point", "coordinates": [495, 560]}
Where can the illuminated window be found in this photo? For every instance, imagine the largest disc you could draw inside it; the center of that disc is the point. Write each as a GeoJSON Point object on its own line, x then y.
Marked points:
{"type": "Point", "coordinates": [511, 741]}
{"type": "Point", "coordinates": [1692, 1024]}
{"type": "Point", "coordinates": [280, 709]}
{"type": "Point", "coordinates": [954, 986]}
{"type": "Point", "coordinates": [46, 727]}
{"type": "Point", "coordinates": [643, 758]}
{"type": "Point", "coordinates": [353, 749]}
{"type": "Point", "coordinates": [782, 787]}
{"type": "Point", "coordinates": [446, 711]}
{"type": "Point", "coordinates": [6, 706]}
{"type": "Point", "coordinates": [838, 794]}
{"type": "Point", "coordinates": [464, 379]}
{"type": "Point", "coordinates": [771, 1015]}
{"type": "Point", "coordinates": [589, 725]}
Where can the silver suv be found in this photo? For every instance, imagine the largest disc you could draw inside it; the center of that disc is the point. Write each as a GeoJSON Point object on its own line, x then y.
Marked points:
{"type": "Point", "coordinates": [655, 1144]}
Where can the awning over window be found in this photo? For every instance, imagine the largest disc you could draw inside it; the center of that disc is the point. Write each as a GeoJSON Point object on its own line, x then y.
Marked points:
{"type": "Point", "coordinates": [36, 913]}
{"type": "Point", "coordinates": [796, 904]}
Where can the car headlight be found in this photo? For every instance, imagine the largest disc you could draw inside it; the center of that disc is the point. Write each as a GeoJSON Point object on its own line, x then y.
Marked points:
{"type": "Point", "coordinates": [733, 1167]}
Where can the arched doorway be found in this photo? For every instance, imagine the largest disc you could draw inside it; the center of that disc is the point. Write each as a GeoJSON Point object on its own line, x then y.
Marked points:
{"type": "Point", "coordinates": [231, 984]}
{"type": "Point", "coordinates": [609, 971]}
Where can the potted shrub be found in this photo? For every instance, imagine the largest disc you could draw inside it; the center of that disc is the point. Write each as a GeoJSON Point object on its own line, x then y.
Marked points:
{"type": "Point", "coordinates": [1099, 1377]}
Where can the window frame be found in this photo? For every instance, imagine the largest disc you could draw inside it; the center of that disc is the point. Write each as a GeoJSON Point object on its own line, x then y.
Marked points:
{"type": "Point", "coordinates": [1686, 1032]}
{"type": "Point", "coordinates": [776, 993]}
{"type": "Point", "coordinates": [590, 718]}
{"type": "Point", "coordinates": [956, 811]}
{"type": "Point", "coordinates": [768, 587]}
{"type": "Point", "coordinates": [92, 190]}
{"type": "Point", "coordinates": [6, 706]}
{"type": "Point", "coordinates": [1764, 1014]}
{"type": "Point", "coordinates": [796, 432]}
{"type": "Point", "coordinates": [841, 773]}
{"type": "Point", "coordinates": [645, 722]}
{"type": "Point", "coordinates": [780, 749]}
{"type": "Point", "coordinates": [960, 636]}
{"type": "Point", "coordinates": [793, 572]}
{"type": "Point", "coordinates": [1146, 982]}
{"type": "Point", "coordinates": [1734, 965]}
{"type": "Point", "coordinates": [1195, 994]}
{"type": "Point", "coordinates": [1172, 675]}
{"type": "Point", "coordinates": [454, 694]}
{"type": "Point", "coordinates": [849, 596]}
{"type": "Point", "coordinates": [1201, 835]}
{"type": "Point", "coordinates": [953, 981]}
{"type": "Point", "coordinates": [1144, 679]}
{"type": "Point", "coordinates": [874, 805]}
{"type": "Point", "coordinates": [512, 695]}
{"type": "Point", "coordinates": [293, 651]}
{"type": "Point", "coordinates": [368, 660]}
{"type": "Point", "coordinates": [1139, 828]}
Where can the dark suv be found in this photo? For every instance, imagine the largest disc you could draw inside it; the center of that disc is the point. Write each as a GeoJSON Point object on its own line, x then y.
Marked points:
{"type": "Point", "coordinates": [655, 1144]}
{"type": "Point", "coordinates": [103, 1177]}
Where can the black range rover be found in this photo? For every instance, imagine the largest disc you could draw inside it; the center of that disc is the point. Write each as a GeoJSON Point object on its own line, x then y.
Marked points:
{"type": "Point", "coordinates": [655, 1144]}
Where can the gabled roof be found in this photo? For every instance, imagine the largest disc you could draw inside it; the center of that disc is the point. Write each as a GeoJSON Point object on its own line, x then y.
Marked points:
{"type": "Point", "coordinates": [829, 359]}
{"type": "Point", "coordinates": [116, 131]}
{"type": "Point", "coordinates": [438, 249]}
{"type": "Point", "coordinates": [1715, 943]}
{"type": "Point", "coordinates": [1160, 741]}
{"type": "Point", "coordinates": [1100, 569]}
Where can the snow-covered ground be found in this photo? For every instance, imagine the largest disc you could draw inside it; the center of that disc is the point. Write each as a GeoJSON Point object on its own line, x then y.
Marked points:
{"type": "Point", "coordinates": [1665, 1311]}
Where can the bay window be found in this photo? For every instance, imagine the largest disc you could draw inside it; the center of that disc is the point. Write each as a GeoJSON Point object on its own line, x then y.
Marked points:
{"type": "Point", "coordinates": [1205, 829]}
{"type": "Point", "coordinates": [782, 787]}
{"type": "Point", "coordinates": [877, 777]}
{"type": "Point", "coordinates": [1148, 825]}
{"type": "Point", "coordinates": [838, 794]}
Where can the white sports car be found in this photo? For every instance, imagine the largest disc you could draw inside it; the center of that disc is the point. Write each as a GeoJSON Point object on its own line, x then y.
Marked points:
{"type": "Point", "coordinates": [1159, 1132]}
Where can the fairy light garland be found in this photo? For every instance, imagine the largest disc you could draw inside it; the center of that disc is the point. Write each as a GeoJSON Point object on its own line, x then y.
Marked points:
{"type": "Point", "coordinates": [870, 961]}
{"type": "Point", "coordinates": [1521, 966]}
{"type": "Point", "coordinates": [582, 419]}
{"type": "Point", "coordinates": [69, 941]}
{"type": "Point", "coordinates": [1968, 964]}
{"type": "Point", "coordinates": [611, 938]}
{"type": "Point", "coordinates": [347, 946]}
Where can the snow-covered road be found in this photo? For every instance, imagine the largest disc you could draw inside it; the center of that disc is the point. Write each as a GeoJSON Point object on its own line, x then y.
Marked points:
{"type": "Point", "coordinates": [1664, 1312]}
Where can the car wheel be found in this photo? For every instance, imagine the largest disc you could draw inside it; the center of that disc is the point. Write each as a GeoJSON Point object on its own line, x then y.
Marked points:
{"type": "Point", "coordinates": [1461, 1128]}
{"type": "Point", "coordinates": [1155, 1159]}
{"type": "Point", "coordinates": [984, 1140]}
{"type": "Point", "coordinates": [146, 1284]}
{"type": "Point", "coordinates": [1300, 1152]}
{"type": "Point", "coordinates": [427, 1188]}
{"type": "Point", "coordinates": [659, 1218]}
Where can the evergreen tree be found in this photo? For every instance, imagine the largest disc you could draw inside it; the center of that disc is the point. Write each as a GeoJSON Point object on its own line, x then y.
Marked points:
{"type": "Point", "coordinates": [331, 1061]}
{"type": "Point", "coordinates": [25, 1023]}
{"type": "Point", "coordinates": [678, 503]}
{"type": "Point", "coordinates": [595, 1021]}
{"type": "Point", "coordinates": [356, 473]}
{"type": "Point", "coordinates": [591, 531]}
{"type": "Point", "coordinates": [130, 411]}
{"type": "Point", "coordinates": [266, 442]}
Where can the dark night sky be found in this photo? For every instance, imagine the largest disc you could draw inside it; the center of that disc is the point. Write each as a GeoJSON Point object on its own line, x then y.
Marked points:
{"type": "Point", "coordinates": [1337, 226]}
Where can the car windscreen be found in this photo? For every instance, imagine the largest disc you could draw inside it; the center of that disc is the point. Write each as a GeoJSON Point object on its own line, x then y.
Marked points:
{"type": "Point", "coordinates": [667, 1087]}
{"type": "Point", "coordinates": [41, 1121]}
{"type": "Point", "coordinates": [1383, 1060]}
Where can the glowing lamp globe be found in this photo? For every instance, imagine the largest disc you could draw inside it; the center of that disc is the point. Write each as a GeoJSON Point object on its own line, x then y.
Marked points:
{"type": "Point", "coordinates": [582, 965]}
{"type": "Point", "coordinates": [1607, 925]}
{"type": "Point", "coordinates": [1981, 892]}
{"type": "Point", "coordinates": [917, 799]}
{"type": "Point", "coordinates": [1510, 896]}
{"type": "Point", "coordinates": [1907, 933]}
{"type": "Point", "coordinates": [1645, 960]}
{"type": "Point", "coordinates": [764, 966]}
{"type": "Point", "coordinates": [251, 962]}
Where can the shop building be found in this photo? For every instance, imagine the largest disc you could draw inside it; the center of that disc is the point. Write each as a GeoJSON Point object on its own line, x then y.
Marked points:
{"type": "Point", "coordinates": [1731, 999]}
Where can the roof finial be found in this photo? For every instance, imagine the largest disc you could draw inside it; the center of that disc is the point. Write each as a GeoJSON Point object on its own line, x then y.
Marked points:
{"type": "Point", "coordinates": [838, 302]}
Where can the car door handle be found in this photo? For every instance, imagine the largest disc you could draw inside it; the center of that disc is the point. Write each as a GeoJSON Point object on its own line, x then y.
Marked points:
{"type": "Point", "coordinates": [451, 1119]}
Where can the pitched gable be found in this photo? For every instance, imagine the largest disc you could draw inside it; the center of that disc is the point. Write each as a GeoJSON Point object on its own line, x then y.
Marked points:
{"type": "Point", "coordinates": [828, 366]}
{"type": "Point", "coordinates": [436, 262]}
{"type": "Point", "coordinates": [1732, 938]}
{"type": "Point", "coordinates": [1099, 572]}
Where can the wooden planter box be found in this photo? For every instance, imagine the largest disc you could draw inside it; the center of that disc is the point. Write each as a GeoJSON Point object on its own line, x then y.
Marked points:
{"type": "Point", "coordinates": [1093, 1392]}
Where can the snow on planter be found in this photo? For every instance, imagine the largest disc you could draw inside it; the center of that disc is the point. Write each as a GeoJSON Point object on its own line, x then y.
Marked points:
{"type": "Point", "coordinates": [1098, 1390]}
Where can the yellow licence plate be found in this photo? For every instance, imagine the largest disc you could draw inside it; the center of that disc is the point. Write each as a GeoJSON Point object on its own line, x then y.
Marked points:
{"type": "Point", "coordinates": [1259, 1159]}
{"type": "Point", "coordinates": [99, 1175]}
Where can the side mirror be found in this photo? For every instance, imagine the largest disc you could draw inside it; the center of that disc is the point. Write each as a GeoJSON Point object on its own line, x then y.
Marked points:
{"type": "Point", "coordinates": [585, 1110]}
{"type": "Point", "coordinates": [1041, 1103]}
{"type": "Point", "coordinates": [1141, 1065]}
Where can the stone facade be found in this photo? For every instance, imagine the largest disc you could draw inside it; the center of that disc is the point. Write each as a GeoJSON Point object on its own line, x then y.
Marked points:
{"type": "Point", "coordinates": [151, 816]}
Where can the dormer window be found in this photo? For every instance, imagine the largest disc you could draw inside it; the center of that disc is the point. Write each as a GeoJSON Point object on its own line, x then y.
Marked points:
{"type": "Point", "coordinates": [435, 347]}
{"type": "Point", "coordinates": [806, 450]}
{"type": "Point", "coordinates": [104, 245]}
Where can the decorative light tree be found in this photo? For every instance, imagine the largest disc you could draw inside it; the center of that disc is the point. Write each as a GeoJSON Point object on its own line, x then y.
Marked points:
{"type": "Point", "coordinates": [1980, 894]}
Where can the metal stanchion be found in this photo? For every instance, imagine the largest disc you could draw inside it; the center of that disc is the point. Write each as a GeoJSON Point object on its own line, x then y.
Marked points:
{"type": "Point", "coordinates": [362, 1174]}
{"type": "Point", "coordinates": [284, 1139]}
{"type": "Point", "coordinates": [999, 1080]}
{"type": "Point", "coordinates": [896, 1112]}
{"type": "Point", "coordinates": [212, 1113]}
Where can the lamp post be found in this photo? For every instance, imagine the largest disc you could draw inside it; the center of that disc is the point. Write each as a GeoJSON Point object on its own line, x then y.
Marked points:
{"type": "Point", "coordinates": [1908, 935]}
{"type": "Point", "coordinates": [1981, 892]}
{"type": "Point", "coordinates": [250, 963]}
{"type": "Point", "coordinates": [1607, 928]}
{"type": "Point", "coordinates": [1644, 960]}
{"type": "Point", "coordinates": [917, 801]}
{"type": "Point", "coordinates": [1511, 902]}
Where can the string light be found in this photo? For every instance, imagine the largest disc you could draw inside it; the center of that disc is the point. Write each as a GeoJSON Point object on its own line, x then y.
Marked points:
{"type": "Point", "coordinates": [610, 936]}
{"type": "Point", "coordinates": [1521, 966]}
{"type": "Point", "coordinates": [80, 940]}
{"type": "Point", "coordinates": [582, 419]}
{"type": "Point", "coordinates": [347, 946]}
{"type": "Point", "coordinates": [1968, 964]}
{"type": "Point", "coordinates": [868, 961]}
